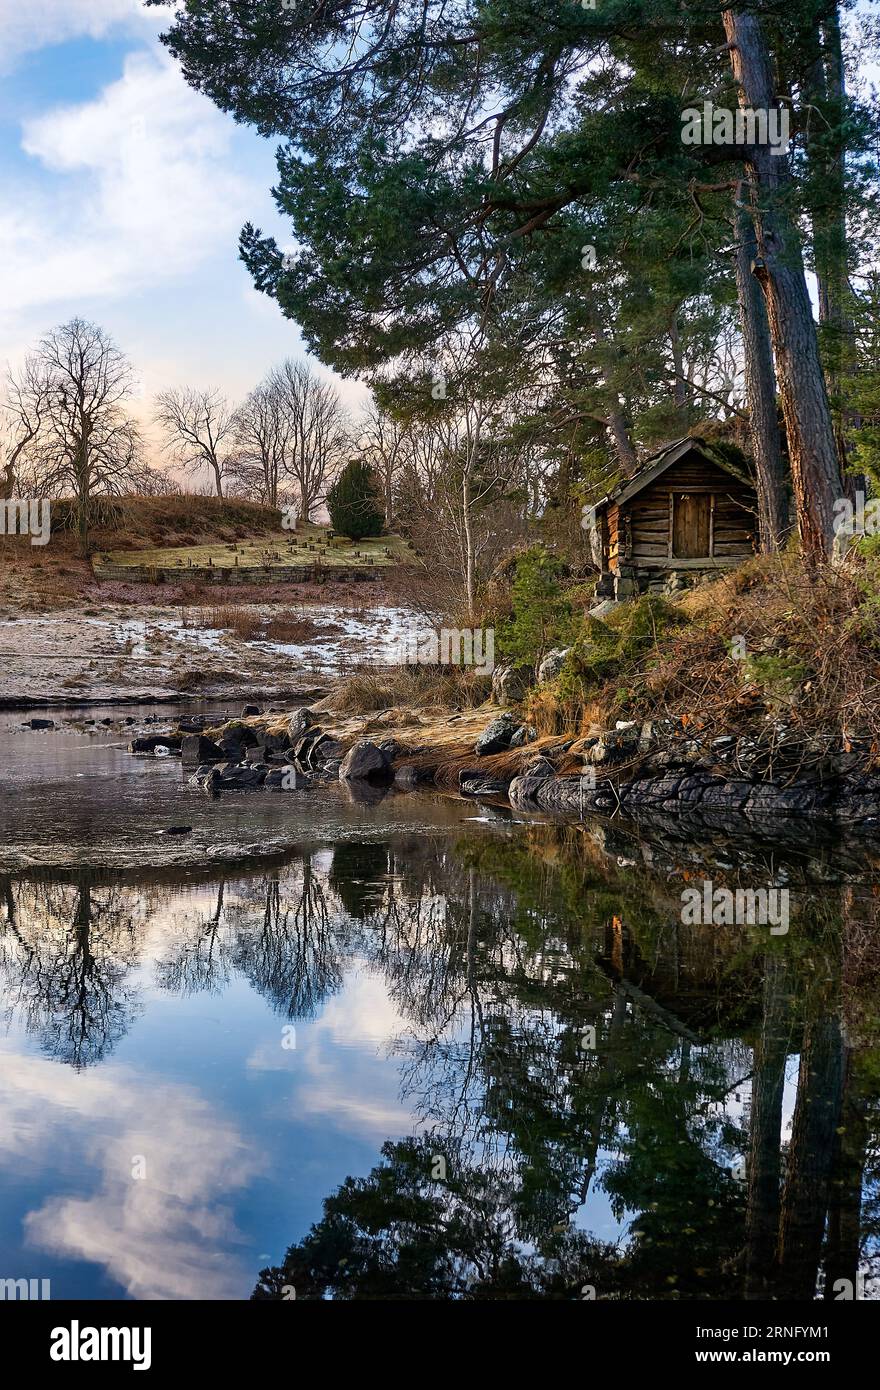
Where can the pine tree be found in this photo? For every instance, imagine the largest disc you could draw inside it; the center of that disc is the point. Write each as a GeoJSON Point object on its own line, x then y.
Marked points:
{"type": "Point", "coordinates": [353, 502]}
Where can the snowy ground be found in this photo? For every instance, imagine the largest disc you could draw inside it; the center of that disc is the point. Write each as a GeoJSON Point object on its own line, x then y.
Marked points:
{"type": "Point", "coordinates": [78, 655]}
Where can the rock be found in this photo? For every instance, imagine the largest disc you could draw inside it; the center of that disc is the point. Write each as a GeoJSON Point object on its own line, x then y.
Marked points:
{"type": "Point", "coordinates": [254, 755]}
{"type": "Point", "coordinates": [540, 768]}
{"type": "Point", "coordinates": [614, 745]}
{"type": "Point", "coordinates": [235, 777]}
{"type": "Point", "coordinates": [482, 786]}
{"type": "Point", "coordinates": [303, 746]}
{"type": "Point", "coordinates": [496, 737]}
{"type": "Point", "coordinates": [191, 723]}
{"type": "Point", "coordinates": [286, 779]}
{"type": "Point", "coordinates": [298, 722]}
{"type": "Point", "coordinates": [325, 750]}
{"type": "Point", "coordinates": [195, 748]}
{"type": "Point", "coordinates": [41, 724]}
{"type": "Point", "coordinates": [411, 776]}
{"type": "Point", "coordinates": [787, 801]}
{"type": "Point", "coordinates": [364, 760]}
{"type": "Point", "coordinates": [150, 743]}
{"type": "Point", "coordinates": [208, 778]}
{"type": "Point", "coordinates": [552, 664]}
{"type": "Point", "coordinates": [177, 830]}
{"type": "Point", "coordinates": [234, 739]}
{"type": "Point", "coordinates": [511, 683]}
{"type": "Point", "coordinates": [392, 747]}
{"type": "Point", "coordinates": [522, 792]}
{"type": "Point", "coordinates": [602, 609]}
{"type": "Point", "coordinates": [524, 734]}
{"type": "Point", "coordinates": [274, 742]}
{"type": "Point", "coordinates": [250, 710]}
{"type": "Point", "coordinates": [573, 794]}
{"type": "Point", "coordinates": [675, 582]}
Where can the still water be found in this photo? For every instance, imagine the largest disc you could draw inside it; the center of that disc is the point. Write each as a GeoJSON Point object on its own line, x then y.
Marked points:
{"type": "Point", "coordinates": [426, 1049]}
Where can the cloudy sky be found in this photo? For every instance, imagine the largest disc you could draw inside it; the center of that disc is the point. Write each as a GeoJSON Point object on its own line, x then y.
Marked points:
{"type": "Point", "coordinates": [129, 193]}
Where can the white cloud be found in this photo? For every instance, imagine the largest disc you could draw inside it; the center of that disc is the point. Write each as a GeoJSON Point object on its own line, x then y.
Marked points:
{"type": "Point", "coordinates": [143, 190]}
{"type": "Point", "coordinates": [171, 1235]}
{"type": "Point", "coordinates": [34, 24]}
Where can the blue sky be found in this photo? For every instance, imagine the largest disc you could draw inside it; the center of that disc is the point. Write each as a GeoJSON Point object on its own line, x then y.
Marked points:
{"type": "Point", "coordinates": [124, 192]}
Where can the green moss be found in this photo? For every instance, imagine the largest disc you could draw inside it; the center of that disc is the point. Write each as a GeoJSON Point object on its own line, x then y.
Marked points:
{"type": "Point", "coordinates": [609, 648]}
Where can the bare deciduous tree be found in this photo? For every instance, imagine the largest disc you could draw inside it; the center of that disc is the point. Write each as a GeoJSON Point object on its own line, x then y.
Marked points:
{"type": "Point", "coordinates": [388, 445]}
{"type": "Point", "coordinates": [199, 428]}
{"type": "Point", "coordinates": [24, 409]}
{"type": "Point", "coordinates": [67, 405]}
{"type": "Point", "coordinates": [317, 438]}
{"type": "Point", "coordinates": [262, 434]}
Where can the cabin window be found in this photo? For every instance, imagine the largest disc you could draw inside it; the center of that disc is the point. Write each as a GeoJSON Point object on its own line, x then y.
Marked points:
{"type": "Point", "coordinates": [691, 525]}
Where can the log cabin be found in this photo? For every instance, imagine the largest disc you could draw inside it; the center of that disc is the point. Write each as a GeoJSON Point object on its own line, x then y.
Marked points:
{"type": "Point", "coordinates": [687, 512]}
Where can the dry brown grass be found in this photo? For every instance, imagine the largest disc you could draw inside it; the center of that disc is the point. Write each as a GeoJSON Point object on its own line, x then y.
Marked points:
{"type": "Point", "coordinates": [434, 687]}
{"type": "Point", "coordinates": [143, 523]}
{"type": "Point", "coordinates": [809, 658]}
{"type": "Point", "coordinates": [244, 623]}
{"type": "Point", "coordinates": [284, 628]}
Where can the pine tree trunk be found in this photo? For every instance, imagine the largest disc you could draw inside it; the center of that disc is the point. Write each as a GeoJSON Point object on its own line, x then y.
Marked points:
{"type": "Point", "coordinates": [615, 422]}
{"type": "Point", "coordinates": [779, 268]}
{"type": "Point", "coordinates": [826, 88]}
{"type": "Point", "coordinates": [760, 392]}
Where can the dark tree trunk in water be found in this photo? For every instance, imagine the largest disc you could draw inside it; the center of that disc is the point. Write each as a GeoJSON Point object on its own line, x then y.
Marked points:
{"type": "Point", "coordinates": [760, 391]}
{"type": "Point", "coordinates": [779, 268]}
{"type": "Point", "coordinates": [765, 1156]}
{"type": "Point", "coordinates": [845, 1188]}
{"type": "Point", "coordinates": [815, 1123]}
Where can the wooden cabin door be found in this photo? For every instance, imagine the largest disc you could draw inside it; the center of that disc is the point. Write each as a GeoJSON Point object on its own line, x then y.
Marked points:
{"type": "Point", "coordinates": [691, 523]}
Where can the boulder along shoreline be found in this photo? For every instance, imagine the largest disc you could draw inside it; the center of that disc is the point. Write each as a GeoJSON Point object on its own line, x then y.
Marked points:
{"type": "Point", "coordinates": [776, 779]}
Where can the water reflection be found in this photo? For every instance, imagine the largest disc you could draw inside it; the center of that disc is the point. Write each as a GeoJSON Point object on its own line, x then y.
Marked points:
{"type": "Point", "coordinates": [600, 1098]}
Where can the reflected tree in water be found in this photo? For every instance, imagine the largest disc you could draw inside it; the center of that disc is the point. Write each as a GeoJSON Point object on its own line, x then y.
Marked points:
{"type": "Point", "coordinates": [66, 954]}
{"type": "Point", "coordinates": [291, 951]}
{"type": "Point", "coordinates": [677, 1114]}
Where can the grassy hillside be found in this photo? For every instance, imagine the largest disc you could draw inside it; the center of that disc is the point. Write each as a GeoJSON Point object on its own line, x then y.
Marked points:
{"type": "Point", "coordinates": [141, 531]}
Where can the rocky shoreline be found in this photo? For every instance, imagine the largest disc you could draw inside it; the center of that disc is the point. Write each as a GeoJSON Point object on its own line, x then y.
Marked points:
{"type": "Point", "coordinates": [772, 779]}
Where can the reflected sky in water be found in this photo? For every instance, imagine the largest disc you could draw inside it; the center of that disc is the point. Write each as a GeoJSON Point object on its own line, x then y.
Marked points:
{"type": "Point", "coordinates": [375, 1056]}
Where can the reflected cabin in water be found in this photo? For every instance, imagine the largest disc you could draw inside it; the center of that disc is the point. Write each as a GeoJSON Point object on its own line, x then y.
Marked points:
{"type": "Point", "coordinates": [689, 510]}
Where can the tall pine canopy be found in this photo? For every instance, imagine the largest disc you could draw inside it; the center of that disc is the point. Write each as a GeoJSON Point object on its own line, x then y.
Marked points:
{"type": "Point", "coordinates": [514, 171]}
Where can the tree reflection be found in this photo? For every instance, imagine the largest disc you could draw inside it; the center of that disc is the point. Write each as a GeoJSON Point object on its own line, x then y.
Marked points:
{"type": "Point", "coordinates": [66, 952]}
{"type": "Point", "coordinates": [568, 1044]}
{"type": "Point", "coordinates": [676, 1115]}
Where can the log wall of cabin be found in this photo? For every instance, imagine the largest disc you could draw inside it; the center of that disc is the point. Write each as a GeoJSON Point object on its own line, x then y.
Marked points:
{"type": "Point", "coordinates": [612, 521]}
{"type": "Point", "coordinates": [649, 518]}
